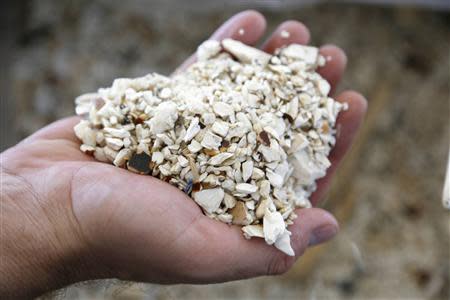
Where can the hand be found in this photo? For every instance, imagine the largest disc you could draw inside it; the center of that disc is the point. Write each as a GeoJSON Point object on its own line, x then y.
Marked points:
{"type": "Point", "coordinates": [67, 217]}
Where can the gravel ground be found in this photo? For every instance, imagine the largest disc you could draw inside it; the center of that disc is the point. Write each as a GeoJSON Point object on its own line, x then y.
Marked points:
{"type": "Point", "coordinates": [394, 242]}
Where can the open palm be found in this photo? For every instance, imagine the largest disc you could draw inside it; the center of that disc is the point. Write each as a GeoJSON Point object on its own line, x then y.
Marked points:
{"type": "Point", "coordinates": [139, 228]}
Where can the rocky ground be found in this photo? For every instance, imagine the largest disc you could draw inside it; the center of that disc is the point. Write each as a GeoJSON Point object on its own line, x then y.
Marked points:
{"type": "Point", "coordinates": [394, 242]}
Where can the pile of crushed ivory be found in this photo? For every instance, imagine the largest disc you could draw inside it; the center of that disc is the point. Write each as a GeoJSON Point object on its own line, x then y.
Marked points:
{"type": "Point", "coordinates": [243, 132]}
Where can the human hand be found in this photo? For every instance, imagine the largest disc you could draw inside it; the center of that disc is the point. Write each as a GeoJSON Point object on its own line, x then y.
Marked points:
{"type": "Point", "coordinates": [69, 218]}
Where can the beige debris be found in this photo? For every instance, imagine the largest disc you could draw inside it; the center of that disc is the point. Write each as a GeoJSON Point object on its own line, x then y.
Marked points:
{"type": "Point", "coordinates": [114, 143]}
{"type": "Point", "coordinates": [245, 133]}
{"type": "Point", "coordinates": [208, 49]}
{"type": "Point", "coordinates": [247, 170]}
{"type": "Point", "coordinates": [192, 130]}
{"type": "Point", "coordinates": [240, 214]}
{"type": "Point", "coordinates": [122, 157]}
{"type": "Point", "coordinates": [157, 157]}
{"type": "Point", "coordinates": [229, 201]}
{"type": "Point", "coordinates": [283, 243]}
{"type": "Point", "coordinates": [244, 53]}
{"type": "Point", "coordinates": [246, 188]}
{"type": "Point", "coordinates": [223, 109]}
{"type": "Point", "coordinates": [219, 158]}
{"type": "Point", "coordinates": [220, 128]}
{"type": "Point", "coordinates": [209, 199]}
{"type": "Point", "coordinates": [164, 117]}
{"type": "Point", "coordinates": [253, 231]}
{"type": "Point", "coordinates": [211, 141]}
{"type": "Point", "coordinates": [274, 226]}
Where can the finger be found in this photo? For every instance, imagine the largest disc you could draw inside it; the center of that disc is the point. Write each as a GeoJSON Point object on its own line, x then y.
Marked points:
{"type": "Point", "coordinates": [247, 26]}
{"type": "Point", "coordinates": [237, 258]}
{"type": "Point", "coordinates": [289, 32]}
{"type": "Point", "coordinates": [347, 126]}
{"type": "Point", "coordinates": [61, 129]}
{"type": "Point", "coordinates": [336, 61]}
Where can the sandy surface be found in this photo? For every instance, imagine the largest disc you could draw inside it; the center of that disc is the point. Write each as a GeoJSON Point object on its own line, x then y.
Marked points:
{"type": "Point", "coordinates": [394, 242]}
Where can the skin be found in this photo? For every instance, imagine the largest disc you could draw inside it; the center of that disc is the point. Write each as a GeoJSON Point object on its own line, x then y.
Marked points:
{"type": "Point", "coordinates": [67, 218]}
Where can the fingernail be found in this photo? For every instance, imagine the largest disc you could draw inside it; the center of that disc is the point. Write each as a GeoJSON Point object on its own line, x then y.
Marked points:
{"type": "Point", "coordinates": [322, 234]}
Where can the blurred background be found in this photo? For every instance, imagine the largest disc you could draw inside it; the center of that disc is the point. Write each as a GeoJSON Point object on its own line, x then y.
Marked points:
{"type": "Point", "coordinates": [394, 242]}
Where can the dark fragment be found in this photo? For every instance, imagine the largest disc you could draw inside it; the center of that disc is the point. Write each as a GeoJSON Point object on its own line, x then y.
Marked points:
{"type": "Point", "coordinates": [264, 138]}
{"type": "Point", "coordinates": [288, 117]}
{"type": "Point", "coordinates": [196, 186]}
{"type": "Point", "coordinates": [140, 163]}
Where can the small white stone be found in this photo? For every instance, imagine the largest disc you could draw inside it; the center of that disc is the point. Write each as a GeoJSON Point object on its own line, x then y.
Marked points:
{"type": "Point", "coordinates": [246, 188]}
{"type": "Point", "coordinates": [244, 53]}
{"type": "Point", "coordinates": [165, 139]}
{"type": "Point", "coordinates": [226, 218]}
{"type": "Point", "coordinates": [269, 154]}
{"type": "Point", "coordinates": [264, 188]}
{"type": "Point", "coordinates": [229, 201]}
{"type": "Point", "coordinates": [240, 213]}
{"type": "Point", "coordinates": [192, 130]}
{"type": "Point", "coordinates": [99, 154]}
{"type": "Point", "coordinates": [223, 109]}
{"type": "Point", "coordinates": [122, 157]}
{"type": "Point", "coordinates": [211, 141]}
{"type": "Point", "coordinates": [299, 142]}
{"type": "Point", "coordinates": [209, 199]}
{"type": "Point", "coordinates": [220, 128]}
{"type": "Point", "coordinates": [157, 157]}
{"type": "Point", "coordinates": [283, 243]}
{"type": "Point", "coordinates": [273, 226]}
{"type": "Point", "coordinates": [262, 207]}
{"type": "Point", "coordinates": [110, 154]}
{"type": "Point", "coordinates": [324, 87]}
{"type": "Point", "coordinates": [305, 170]}
{"type": "Point", "coordinates": [257, 174]}
{"type": "Point", "coordinates": [165, 93]}
{"type": "Point", "coordinates": [117, 133]}
{"type": "Point", "coordinates": [238, 131]}
{"type": "Point", "coordinates": [86, 148]}
{"type": "Point", "coordinates": [164, 117]}
{"type": "Point", "coordinates": [208, 118]}
{"type": "Point", "coordinates": [253, 231]}
{"type": "Point", "coordinates": [247, 170]}
{"type": "Point", "coordinates": [84, 103]}
{"type": "Point", "coordinates": [127, 142]}
{"type": "Point", "coordinates": [272, 132]}
{"type": "Point", "coordinates": [208, 49]}
{"type": "Point", "coordinates": [194, 146]}
{"type": "Point", "coordinates": [275, 179]}
{"type": "Point", "coordinates": [293, 108]}
{"type": "Point", "coordinates": [113, 120]}
{"type": "Point", "coordinates": [114, 143]}
{"type": "Point", "coordinates": [250, 205]}
{"type": "Point", "coordinates": [300, 52]}
{"type": "Point", "coordinates": [182, 161]}
{"type": "Point", "coordinates": [219, 158]}
{"type": "Point", "coordinates": [141, 132]}
{"type": "Point", "coordinates": [85, 133]}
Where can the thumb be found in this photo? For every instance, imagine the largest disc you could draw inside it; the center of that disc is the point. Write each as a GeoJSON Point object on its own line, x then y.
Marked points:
{"type": "Point", "coordinates": [312, 226]}
{"type": "Point", "coordinates": [237, 258]}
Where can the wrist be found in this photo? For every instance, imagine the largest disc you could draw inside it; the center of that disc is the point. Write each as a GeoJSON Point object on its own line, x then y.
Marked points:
{"type": "Point", "coordinates": [41, 250]}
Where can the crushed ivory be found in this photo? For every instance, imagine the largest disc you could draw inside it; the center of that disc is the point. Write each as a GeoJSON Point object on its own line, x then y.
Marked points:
{"type": "Point", "coordinates": [245, 133]}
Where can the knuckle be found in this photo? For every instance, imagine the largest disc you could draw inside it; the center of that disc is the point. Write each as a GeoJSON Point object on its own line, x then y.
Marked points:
{"type": "Point", "coordinates": [280, 264]}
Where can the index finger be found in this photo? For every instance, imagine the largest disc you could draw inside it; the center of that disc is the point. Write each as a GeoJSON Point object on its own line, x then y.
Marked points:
{"type": "Point", "coordinates": [247, 26]}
